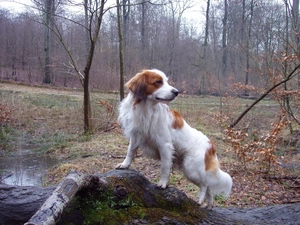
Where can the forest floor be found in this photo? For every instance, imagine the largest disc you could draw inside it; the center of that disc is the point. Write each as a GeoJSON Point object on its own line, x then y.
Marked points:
{"type": "Point", "coordinates": [52, 118]}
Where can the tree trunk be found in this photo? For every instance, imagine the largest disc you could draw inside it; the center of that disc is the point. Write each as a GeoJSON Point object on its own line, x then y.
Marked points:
{"type": "Point", "coordinates": [296, 25]}
{"type": "Point", "coordinates": [123, 197]}
{"type": "Point", "coordinates": [248, 46]}
{"type": "Point", "coordinates": [224, 40]}
{"type": "Point", "coordinates": [121, 52]}
{"type": "Point", "coordinates": [204, 57]}
{"type": "Point", "coordinates": [88, 126]}
{"type": "Point", "coordinates": [47, 15]}
{"type": "Point", "coordinates": [143, 38]}
{"type": "Point", "coordinates": [54, 206]}
{"type": "Point", "coordinates": [18, 204]}
{"type": "Point", "coordinates": [86, 24]}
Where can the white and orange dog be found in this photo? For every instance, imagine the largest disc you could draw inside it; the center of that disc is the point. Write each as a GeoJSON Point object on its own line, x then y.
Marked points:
{"type": "Point", "coordinates": [163, 134]}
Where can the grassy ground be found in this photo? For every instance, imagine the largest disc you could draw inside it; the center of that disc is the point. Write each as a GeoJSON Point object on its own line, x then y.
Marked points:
{"type": "Point", "coordinates": [52, 119]}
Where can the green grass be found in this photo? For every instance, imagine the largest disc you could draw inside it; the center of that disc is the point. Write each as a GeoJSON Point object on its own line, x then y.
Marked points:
{"type": "Point", "coordinates": [52, 101]}
{"type": "Point", "coordinates": [7, 138]}
{"type": "Point", "coordinates": [52, 121]}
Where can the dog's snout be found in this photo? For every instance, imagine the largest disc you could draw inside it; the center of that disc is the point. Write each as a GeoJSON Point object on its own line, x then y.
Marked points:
{"type": "Point", "coordinates": [175, 92]}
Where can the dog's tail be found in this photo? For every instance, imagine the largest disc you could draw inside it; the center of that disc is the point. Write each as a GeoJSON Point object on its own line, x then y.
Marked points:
{"type": "Point", "coordinates": [223, 185]}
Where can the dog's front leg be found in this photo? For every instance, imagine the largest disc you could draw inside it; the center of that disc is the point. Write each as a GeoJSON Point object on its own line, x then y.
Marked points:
{"type": "Point", "coordinates": [166, 156]}
{"type": "Point", "coordinates": [202, 194]}
{"type": "Point", "coordinates": [133, 146]}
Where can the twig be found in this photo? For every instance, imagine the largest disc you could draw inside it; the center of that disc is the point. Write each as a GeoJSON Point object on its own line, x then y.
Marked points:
{"type": "Point", "coordinates": [280, 178]}
{"type": "Point", "coordinates": [290, 76]}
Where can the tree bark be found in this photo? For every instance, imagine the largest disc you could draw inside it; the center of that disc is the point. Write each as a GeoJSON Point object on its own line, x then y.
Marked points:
{"type": "Point", "coordinates": [296, 25]}
{"type": "Point", "coordinates": [248, 46]}
{"type": "Point", "coordinates": [121, 51]}
{"type": "Point", "coordinates": [18, 204]}
{"type": "Point", "coordinates": [123, 197]}
{"type": "Point", "coordinates": [47, 15]}
{"type": "Point", "coordinates": [205, 45]}
{"type": "Point", "coordinates": [53, 207]}
{"type": "Point", "coordinates": [224, 40]}
{"type": "Point", "coordinates": [88, 127]}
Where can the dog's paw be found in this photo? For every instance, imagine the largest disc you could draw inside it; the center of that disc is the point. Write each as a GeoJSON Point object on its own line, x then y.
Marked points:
{"type": "Point", "coordinates": [209, 207]}
{"type": "Point", "coordinates": [205, 206]}
{"type": "Point", "coordinates": [161, 185]}
{"type": "Point", "coordinates": [122, 166]}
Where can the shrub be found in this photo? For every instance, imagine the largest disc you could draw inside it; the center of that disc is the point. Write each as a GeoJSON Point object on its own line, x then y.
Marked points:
{"type": "Point", "coordinates": [255, 149]}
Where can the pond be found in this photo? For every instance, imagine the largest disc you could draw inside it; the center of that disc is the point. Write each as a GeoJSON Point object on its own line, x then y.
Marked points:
{"type": "Point", "coordinates": [25, 168]}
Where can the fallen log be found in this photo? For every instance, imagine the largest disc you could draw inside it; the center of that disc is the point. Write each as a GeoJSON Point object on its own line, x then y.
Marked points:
{"type": "Point", "coordinates": [18, 204]}
{"type": "Point", "coordinates": [54, 206]}
{"type": "Point", "coordinates": [123, 197]}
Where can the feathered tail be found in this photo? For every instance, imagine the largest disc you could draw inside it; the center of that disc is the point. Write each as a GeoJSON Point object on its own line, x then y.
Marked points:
{"type": "Point", "coordinates": [223, 184]}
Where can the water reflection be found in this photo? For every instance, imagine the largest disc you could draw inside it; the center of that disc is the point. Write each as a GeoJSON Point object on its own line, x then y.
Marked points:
{"type": "Point", "coordinates": [25, 169]}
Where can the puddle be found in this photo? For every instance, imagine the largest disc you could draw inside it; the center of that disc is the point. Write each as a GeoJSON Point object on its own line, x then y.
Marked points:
{"type": "Point", "coordinates": [25, 169]}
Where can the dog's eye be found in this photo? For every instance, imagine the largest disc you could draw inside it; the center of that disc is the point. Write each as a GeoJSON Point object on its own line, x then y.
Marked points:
{"type": "Point", "coordinates": [159, 82]}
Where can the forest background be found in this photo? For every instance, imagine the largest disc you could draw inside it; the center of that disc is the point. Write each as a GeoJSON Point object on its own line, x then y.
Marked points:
{"type": "Point", "coordinates": [249, 42]}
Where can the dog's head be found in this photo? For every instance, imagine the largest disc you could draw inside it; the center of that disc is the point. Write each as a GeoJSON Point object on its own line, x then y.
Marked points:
{"type": "Point", "coordinates": [152, 85]}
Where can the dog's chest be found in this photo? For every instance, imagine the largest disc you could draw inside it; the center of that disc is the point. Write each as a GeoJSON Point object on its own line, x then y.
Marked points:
{"type": "Point", "coordinates": [151, 122]}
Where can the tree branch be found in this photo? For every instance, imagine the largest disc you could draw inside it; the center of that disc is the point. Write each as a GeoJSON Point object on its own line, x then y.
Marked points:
{"type": "Point", "coordinates": [289, 77]}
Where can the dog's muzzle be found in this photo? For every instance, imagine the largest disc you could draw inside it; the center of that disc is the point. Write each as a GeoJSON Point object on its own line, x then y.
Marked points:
{"type": "Point", "coordinates": [175, 92]}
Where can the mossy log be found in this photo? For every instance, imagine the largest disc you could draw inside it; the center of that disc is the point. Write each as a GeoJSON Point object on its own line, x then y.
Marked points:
{"type": "Point", "coordinates": [123, 197]}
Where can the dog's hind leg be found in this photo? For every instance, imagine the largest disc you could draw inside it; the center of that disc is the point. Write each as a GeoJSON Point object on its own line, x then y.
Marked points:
{"type": "Point", "coordinates": [209, 198]}
{"type": "Point", "coordinates": [205, 194]}
{"type": "Point", "coordinates": [133, 146]}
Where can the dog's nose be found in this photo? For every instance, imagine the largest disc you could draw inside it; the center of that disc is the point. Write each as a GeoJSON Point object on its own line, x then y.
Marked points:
{"type": "Point", "coordinates": [175, 92]}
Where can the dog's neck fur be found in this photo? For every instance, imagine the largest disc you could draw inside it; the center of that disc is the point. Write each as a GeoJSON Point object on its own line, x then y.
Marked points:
{"type": "Point", "coordinates": [144, 116]}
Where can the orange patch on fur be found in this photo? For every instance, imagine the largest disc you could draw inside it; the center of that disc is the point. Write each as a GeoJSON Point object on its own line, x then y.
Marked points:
{"type": "Point", "coordinates": [210, 160]}
{"type": "Point", "coordinates": [144, 84]}
{"type": "Point", "coordinates": [178, 120]}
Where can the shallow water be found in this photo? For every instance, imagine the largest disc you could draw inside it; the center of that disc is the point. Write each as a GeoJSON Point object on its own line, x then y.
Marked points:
{"type": "Point", "coordinates": [25, 168]}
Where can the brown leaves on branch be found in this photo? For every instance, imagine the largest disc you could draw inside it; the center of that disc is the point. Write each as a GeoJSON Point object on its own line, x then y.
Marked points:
{"type": "Point", "coordinates": [254, 149]}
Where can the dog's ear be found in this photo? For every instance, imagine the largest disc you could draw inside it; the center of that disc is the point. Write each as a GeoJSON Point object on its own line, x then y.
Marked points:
{"type": "Point", "coordinates": [138, 85]}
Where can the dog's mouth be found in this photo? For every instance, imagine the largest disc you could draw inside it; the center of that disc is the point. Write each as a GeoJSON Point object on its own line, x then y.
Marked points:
{"type": "Point", "coordinates": [163, 99]}
{"type": "Point", "coordinates": [167, 98]}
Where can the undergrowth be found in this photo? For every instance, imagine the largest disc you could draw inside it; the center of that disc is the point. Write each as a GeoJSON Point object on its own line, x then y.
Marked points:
{"type": "Point", "coordinates": [247, 152]}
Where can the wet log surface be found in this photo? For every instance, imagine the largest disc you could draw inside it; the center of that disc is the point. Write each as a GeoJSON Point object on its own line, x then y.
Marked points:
{"type": "Point", "coordinates": [18, 204]}
{"type": "Point", "coordinates": [125, 197]}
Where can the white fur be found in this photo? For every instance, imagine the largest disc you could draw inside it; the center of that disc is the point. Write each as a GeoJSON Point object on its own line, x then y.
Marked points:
{"type": "Point", "coordinates": [148, 125]}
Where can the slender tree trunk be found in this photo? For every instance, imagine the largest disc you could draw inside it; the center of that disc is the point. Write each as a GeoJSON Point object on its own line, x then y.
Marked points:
{"type": "Point", "coordinates": [87, 36]}
{"type": "Point", "coordinates": [286, 99]}
{"type": "Point", "coordinates": [204, 57]}
{"type": "Point", "coordinates": [47, 18]}
{"type": "Point", "coordinates": [125, 17]}
{"type": "Point", "coordinates": [296, 24]}
{"type": "Point", "coordinates": [143, 41]}
{"type": "Point", "coordinates": [248, 46]}
{"type": "Point", "coordinates": [88, 126]}
{"type": "Point", "coordinates": [224, 40]}
{"type": "Point", "coordinates": [120, 52]}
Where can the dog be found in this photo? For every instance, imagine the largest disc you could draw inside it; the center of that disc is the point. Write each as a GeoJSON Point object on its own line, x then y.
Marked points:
{"type": "Point", "coordinates": [163, 134]}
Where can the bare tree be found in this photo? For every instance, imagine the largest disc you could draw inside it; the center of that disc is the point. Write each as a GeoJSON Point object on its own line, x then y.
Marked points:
{"type": "Point", "coordinates": [48, 21]}
{"type": "Point", "coordinates": [177, 8]}
{"type": "Point", "coordinates": [94, 11]}
{"type": "Point", "coordinates": [296, 29]}
{"type": "Point", "coordinates": [205, 45]}
{"type": "Point", "coordinates": [121, 51]}
{"type": "Point", "coordinates": [248, 47]}
{"type": "Point", "coordinates": [224, 39]}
